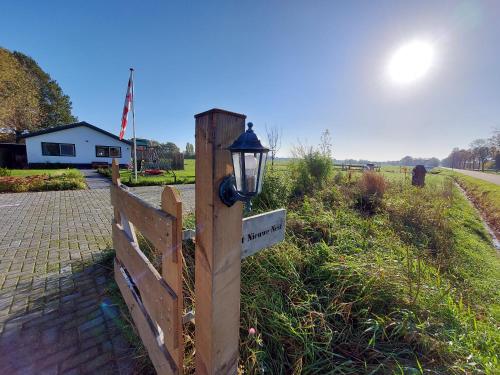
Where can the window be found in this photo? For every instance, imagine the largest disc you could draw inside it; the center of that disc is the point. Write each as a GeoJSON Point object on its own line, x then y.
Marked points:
{"type": "Point", "coordinates": [108, 152]}
{"type": "Point", "coordinates": [58, 149]}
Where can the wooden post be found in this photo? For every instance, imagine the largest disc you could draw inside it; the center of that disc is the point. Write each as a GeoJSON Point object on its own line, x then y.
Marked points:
{"type": "Point", "coordinates": [171, 203]}
{"type": "Point", "coordinates": [115, 177]}
{"type": "Point", "coordinates": [218, 246]}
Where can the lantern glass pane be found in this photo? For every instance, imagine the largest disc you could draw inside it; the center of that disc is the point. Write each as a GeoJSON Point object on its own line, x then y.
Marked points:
{"type": "Point", "coordinates": [238, 176]}
{"type": "Point", "coordinates": [261, 171]}
{"type": "Point", "coordinates": [251, 170]}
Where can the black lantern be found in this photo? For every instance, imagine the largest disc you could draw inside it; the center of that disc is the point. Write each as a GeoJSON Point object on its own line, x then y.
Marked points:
{"type": "Point", "coordinates": [249, 161]}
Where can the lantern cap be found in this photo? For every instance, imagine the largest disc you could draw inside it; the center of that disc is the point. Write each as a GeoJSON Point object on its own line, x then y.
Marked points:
{"type": "Point", "coordinates": [248, 142]}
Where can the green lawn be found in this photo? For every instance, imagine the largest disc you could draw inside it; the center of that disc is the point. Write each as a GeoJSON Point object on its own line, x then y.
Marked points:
{"type": "Point", "coordinates": [34, 172]}
{"type": "Point", "coordinates": [186, 176]}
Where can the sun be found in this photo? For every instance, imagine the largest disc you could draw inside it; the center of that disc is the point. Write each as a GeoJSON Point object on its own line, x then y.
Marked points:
{"type": "Point", "coordinates": [411, 62]}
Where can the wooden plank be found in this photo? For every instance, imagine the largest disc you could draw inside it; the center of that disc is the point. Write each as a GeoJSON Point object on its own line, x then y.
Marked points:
{"type": "Point", "coordinates": [171, 203]}
{"type": "Point", "coordinates": [162, 360]}
{"type": "Point", "coordinates": [218, 246]}
{"type": "Point", "coordinates": [262, 231]}
{"type": "Point", "coordinates": [115, 172]}
{"type": "Point", "coordinates": [158, 298]}
{"type": "Point", "coordinates": [154, 224]}
{"type": "Point", "coordinates": [116, 181]}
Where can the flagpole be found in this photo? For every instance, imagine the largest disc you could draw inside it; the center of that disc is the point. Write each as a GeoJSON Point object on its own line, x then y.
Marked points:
{"type": "Point", "coordinates": [133, 123]}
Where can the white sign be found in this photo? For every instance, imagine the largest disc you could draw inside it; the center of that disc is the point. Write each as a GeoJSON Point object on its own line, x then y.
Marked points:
{"type": "Point", "coordinates": [261, 231]}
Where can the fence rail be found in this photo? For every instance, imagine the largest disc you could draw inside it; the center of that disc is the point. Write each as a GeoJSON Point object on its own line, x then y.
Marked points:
{"type": "Point", "coordinates": [154, 300]}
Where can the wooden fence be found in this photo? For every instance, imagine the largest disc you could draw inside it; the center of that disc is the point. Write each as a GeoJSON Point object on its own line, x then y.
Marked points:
{"type": "Point", "coordinates": [154, 300]}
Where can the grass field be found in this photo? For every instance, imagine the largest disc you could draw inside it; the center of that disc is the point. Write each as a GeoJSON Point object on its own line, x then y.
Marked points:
{"type": "Point", "coordinates": [186, 176]}
{"type": "Point", "coordinates": [484, 194]}
{"type": "Point", "coordinates": [409, 286]}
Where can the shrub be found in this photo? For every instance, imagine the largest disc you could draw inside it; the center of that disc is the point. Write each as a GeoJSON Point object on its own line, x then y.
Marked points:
{"type": "Point", "coordinates": [154, 172]}
{"type": "Point", "coordinates": [4, 172]}
{"type": "Point", "coordinates": [276, 190]}
{"type": "Point", "coordinates": [72, 174]}
{"type": "Point", "coordinates": [312, 172]}
{"type": "Point", "coordinates": [371, 187]}
{"type": "Point", "coordinates": [70, 180]}
{"type": "Point", "coordinates": [105, 172]}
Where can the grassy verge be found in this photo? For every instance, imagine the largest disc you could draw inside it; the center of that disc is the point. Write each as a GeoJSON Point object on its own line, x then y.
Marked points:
{"type": "Point", "coordinates": [186, 176]}
{"type": "Point", "coordinates": [406, 283]}
{"type": "Point", "coordinates": [485, 195]}
{"type": "Point", "coordinates": [23, 180]}
{"type": "Point", "coordinates": [412, 288]}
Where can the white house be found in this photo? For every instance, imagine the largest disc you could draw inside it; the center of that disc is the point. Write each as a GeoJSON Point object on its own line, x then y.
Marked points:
{"type": "Point", "coordinates": [80, 144]}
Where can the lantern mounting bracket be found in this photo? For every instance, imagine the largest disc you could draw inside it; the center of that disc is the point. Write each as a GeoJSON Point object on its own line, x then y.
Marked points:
{"type": "Point", "coordinates": [228, 193]}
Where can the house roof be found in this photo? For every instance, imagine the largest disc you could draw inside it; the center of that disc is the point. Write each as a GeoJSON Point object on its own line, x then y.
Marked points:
{"type": "Point", "coordinates": [71, 126]}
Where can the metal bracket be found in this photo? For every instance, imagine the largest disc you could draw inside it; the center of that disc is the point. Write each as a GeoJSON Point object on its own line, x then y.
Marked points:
{"type": "Point", "coordinates": [188, 317]}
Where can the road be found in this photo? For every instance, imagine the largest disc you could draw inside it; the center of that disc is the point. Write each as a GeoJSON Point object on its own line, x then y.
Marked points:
{"type": "Point", "coordinates": [490, 177]}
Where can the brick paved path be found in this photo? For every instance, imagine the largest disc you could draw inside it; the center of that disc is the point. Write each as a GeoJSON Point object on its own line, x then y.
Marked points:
{"type": "Point", "coordinates": [54, 315]}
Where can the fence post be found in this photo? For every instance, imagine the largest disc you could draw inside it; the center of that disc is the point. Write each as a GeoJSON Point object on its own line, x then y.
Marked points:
{"type": "Point", "coordinates": [115, 177]}
{"type": "Point", "coordinates": [171, 203]}
{"type": "Point", "coordinates": [218, 246]}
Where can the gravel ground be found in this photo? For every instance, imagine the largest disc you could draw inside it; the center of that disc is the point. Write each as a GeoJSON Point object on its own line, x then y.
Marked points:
{"type": "Point", "coordinates": [152, 195]}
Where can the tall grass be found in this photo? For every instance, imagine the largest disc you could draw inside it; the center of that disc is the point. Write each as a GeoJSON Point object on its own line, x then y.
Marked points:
{"type": "Point", "coordinates": [412, 288]}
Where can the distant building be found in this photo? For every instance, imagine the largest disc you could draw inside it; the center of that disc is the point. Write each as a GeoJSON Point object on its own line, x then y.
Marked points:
{"type": "Point", "coordinates": [80, 144]}
{"type": "Point", "coordinates": [12, 155]}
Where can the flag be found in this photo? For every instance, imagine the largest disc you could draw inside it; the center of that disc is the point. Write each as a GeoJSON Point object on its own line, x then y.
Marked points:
{"type": "Point", "coordinates": [126, 107]}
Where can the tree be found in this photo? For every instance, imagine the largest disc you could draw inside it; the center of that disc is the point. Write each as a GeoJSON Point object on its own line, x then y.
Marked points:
{"type": "Point", "coordinates": [432, 162]}
{"type": "Point", "coordinates": [494, 143]}
{"type": "Point", "coordinates": [325, 145]}
{"type": "Point", "coordinates": [481, 151]}
{"type": "Point", "coordinates": [189, 149]}
{"type": "Point", "coordinates": [274, 140]}
{"type": "Point", "coordinates": [29, 98]}
{"type": "Point", "coordinates": [407, 161]}
{"type": "Point", "coordinates": [19, 97]}
{"type": "Point", "coordinates": [55, 106]}
{"type": "Point", "coordinates": [170, 148]}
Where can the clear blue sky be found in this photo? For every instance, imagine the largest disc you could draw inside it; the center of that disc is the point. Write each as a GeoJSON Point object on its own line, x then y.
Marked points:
{"type": "Point", "coordinates": [301, 65]}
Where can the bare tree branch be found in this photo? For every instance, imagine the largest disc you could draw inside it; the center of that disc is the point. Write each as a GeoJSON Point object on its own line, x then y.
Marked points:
{"type": "Point", "coordinates": [274, 135]}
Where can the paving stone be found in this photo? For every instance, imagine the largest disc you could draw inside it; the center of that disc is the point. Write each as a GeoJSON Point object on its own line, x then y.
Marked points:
{"type": "Point", "coordinates": [51, 308]}
{"type": "Point", "coordinates": [80, 358]}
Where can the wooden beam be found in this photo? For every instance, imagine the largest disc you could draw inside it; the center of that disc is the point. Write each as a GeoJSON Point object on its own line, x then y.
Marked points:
{"type": "Point", "coordinates": [158, 298]}
{"type": "Point", "coordinates": [218, 246]}
{"type": "Point", "coordinates": [171, 203]}
{"type": "Point", "coordinates": [161, 358]}
{"type": "Point", "coordinates": [154, 224]}
{"type": "Point", "coordinates": [115, 169]}
{"type": "Point", "coordinates": [115, 172]}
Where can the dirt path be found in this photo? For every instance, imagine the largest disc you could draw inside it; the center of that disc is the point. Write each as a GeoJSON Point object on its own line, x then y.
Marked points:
{"type": "Point", "coordinates": [490, 177]}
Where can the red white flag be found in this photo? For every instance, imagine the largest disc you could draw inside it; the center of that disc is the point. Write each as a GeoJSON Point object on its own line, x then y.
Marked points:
{"type": "Point", "coordinates": [128, 103]}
